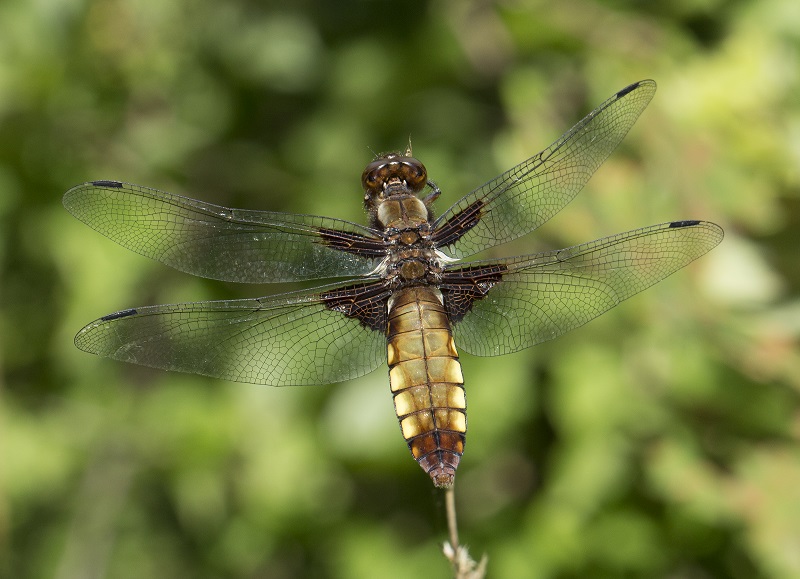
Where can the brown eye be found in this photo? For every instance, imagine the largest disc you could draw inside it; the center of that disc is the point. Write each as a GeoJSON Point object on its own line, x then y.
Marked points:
{"type": "Point", "coordinates": [412, 172]}
{"type": "Point", "coordinates": [370, 179]}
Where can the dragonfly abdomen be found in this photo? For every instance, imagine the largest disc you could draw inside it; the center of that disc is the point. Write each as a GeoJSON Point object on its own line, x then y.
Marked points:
{"type": "Point", "coordinates": [426, 380]}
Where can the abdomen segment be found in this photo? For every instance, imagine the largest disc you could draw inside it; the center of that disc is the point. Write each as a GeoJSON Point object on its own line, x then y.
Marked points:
{"type": "Point", "coordinates": [426, 380]}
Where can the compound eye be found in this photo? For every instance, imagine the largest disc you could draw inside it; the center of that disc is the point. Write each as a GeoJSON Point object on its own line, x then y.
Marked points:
{"type": "Point", "coordinates": [373, 175]}
{"type": "Point", "coordinates": [414, 173]}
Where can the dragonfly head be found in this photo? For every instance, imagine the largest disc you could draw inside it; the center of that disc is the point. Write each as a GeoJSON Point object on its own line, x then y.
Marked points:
{"type": "Point", "coordinates": [393, 173]}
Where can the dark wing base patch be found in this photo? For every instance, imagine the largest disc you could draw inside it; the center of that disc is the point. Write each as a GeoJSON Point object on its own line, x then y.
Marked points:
{"type": "Point", "coordinates": [462, 287]}
{"type": "Point", "coordinates": [459, 224]}
{"type": "Point", "coordinates": [366, 303]}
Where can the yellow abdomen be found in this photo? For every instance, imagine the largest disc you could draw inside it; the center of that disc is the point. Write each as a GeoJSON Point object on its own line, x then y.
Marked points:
{"type": "Point", "coordinates": [426, 380]}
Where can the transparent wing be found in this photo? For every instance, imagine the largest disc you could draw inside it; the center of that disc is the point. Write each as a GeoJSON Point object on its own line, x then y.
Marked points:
{"type": "Point", "coordinates": [530, 299]}
{"type": "Point", "coordinates": [290, 339]}
{"type": "Point", "coordinates": [523, 198]}
{"type": "Point", "coordinates": [221, 243]}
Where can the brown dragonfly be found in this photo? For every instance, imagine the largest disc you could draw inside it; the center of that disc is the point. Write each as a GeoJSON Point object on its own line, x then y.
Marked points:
{"type": "Point", "coordinates": [408, 299]}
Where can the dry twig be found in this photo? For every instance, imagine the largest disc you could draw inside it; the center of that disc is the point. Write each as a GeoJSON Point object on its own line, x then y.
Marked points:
{"type": "Point", "coordinates": [464, 566]}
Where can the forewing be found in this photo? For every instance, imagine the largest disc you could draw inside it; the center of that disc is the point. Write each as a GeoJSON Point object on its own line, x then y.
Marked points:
{"type": "Point", "coordinates": [513, 304]}
{"type": "Point", "coordinates": [523, 198]}
{"type": "Point", "coordinates": [299, 338]}
{"type": "Point", "coordinates": [221, 243]}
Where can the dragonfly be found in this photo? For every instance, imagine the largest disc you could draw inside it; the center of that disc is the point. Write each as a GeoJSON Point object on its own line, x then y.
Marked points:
{"type": "Point", "coordinates": [402, 295]}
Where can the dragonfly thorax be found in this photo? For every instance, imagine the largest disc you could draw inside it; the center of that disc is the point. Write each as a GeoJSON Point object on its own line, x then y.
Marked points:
{"type": "Point", "coordinates": [403, 212]}
{"type": "Point", "coordinates": [412, 266]}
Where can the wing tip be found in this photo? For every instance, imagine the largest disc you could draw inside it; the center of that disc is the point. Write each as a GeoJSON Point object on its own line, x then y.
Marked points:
{"type": "Point", "coordinates": [713, 232]}
{"type": "Point", "coordinates": [76, 193]}
{"type": "Point", "coordinates": [632, 87]}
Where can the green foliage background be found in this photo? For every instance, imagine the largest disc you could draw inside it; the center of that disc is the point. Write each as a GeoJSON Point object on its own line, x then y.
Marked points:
{"type": "Point", "coordinates": [659, 441]}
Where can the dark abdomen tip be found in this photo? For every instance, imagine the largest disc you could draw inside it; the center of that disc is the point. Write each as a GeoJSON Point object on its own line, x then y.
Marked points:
{"type": "Point", "coordinates": [443, 480]}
